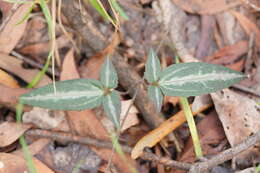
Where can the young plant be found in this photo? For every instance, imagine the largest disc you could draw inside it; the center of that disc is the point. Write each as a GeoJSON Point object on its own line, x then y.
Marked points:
{"type": "Point", "coordinates": [186, 79]}
{"type": "Point", "coordinates": [80, 94]}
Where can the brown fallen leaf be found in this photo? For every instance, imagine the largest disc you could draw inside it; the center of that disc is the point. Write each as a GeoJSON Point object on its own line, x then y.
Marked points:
{"type": "Point", "coordinates": [239, 116]}
{"type": "Point", "coordinates": [40, 167]}
{"type": "Point", "coordinates": [8, 80]}
{"type": "Point", "coordinates": [9, 96]}
{"type": "Point", "coordinates": [12, 33]}
{"type": "Point", "coordinates": [10, 132]}
{"type": "Point", "coordinates": [230, 56]}
{"type": "Point", "coordinates": [43, 47]}
{"type": "Point", "coordinates": [10, 163]}
{"type": "Point", "coordinates": [156, 135]}
{"type": "Point", "coordinates": [14, 66]}
{"type": "Point", "coordinates": [206, 6]}
{"type": "Point", "coordinates": [92, 67]}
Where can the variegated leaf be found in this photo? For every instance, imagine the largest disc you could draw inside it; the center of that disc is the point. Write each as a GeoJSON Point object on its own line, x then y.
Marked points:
{"type": "Point", "coordinates": [192, 79]}
{"type": "Point", "coordinates": [77, 94]}
{"type": "Point", "coordinates": [112, 107]}
{"type": "Point", "coordinates": [152, 67]}
{"type": "Point", "coordinates": [156, 96]}
{"type": "Point", "coordinates": [108, 75]}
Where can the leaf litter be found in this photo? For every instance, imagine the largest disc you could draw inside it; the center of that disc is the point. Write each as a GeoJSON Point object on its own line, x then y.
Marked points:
{"type": "Point", "coordinates": [229, 42]}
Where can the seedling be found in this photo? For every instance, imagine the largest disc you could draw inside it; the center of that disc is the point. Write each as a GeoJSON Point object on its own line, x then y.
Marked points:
{"type": "Point", "coordinates": [185, 79]}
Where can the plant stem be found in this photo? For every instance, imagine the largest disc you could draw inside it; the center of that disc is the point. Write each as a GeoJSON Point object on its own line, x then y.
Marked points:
{"type": "Point", "coordinates": [192, 126]}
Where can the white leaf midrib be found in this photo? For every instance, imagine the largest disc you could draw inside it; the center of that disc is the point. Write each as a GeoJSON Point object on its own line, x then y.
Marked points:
{"type": "Point", "coordinates": [62, 95]}
{"type": "Point", "coordinates": [200, 78]}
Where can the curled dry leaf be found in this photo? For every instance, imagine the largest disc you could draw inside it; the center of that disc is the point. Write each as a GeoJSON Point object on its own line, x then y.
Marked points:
{"type": "Point", "coordinates": [10, 132]}
{"type": "Point", "coordinates": [156, 135]}
{"type": "Point", "coordinates": [239, 116]}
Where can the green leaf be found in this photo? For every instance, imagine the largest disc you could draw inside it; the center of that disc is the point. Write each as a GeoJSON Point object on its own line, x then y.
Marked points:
{"type": "Point", "coordinates": [193, 79]}
{"type": "Point", "coordinates": [112, 107]}
{"type": "Point", "coordinates": [117, 7]}
{"type": "Point", "coordinates": [108, 75]}
{"type": "Point", "coordinates": [76, 94]}
{"type": "Point", "coordinates": [156, 96]}
{"type": "Point", "coordinates": [152, 67]}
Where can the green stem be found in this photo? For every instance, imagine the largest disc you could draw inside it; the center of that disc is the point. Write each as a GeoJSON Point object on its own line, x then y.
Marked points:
{"type": "Point", "coordinates": [118, 148]}
{"type": "Point", "coordinates": [192, 126]}
{"type": "Point", "coordinates": [27, 154]}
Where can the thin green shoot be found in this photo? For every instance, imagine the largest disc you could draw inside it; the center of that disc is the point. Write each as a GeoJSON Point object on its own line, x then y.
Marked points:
{"type": "Point", "coordinates": [192, 126]}
{"type": "Point", "coordinates": [257, 169]}
{"type": "Point", "coordinates": [22, 141]}
{"type": "Point", "coordinates": [39, 76]}
{"type": "Point", "coordinates": [102, 11]}
{"type": "Point", "coordinates": [76, 169]}
{"type": "Point", "coordinates": [117, 7]}
{"type": "Point", "coordinates": [26, 15]}
{"type": "Point", "coordinates": [191, 123]}
{"type": "Point", "coordinates": [118, 148]}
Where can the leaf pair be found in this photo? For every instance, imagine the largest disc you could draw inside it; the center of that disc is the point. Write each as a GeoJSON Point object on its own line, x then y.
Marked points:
{"type": "Point", "coordinates": [186, 79]}
{"type": "Point", "coordinates": [79, 94]}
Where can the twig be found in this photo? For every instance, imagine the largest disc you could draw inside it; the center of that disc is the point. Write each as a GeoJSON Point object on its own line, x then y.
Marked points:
{"type": "Point", "coordinates": [246, 89]}
{"type": "Point", "coordinates": [195, 168]}
{"type": "Point", "coordinates": [31, 62]}
{"type": "Point", "coordinates": [226, 155]}
{"type": "Point", "coordinates": [249, 60]}
{"type": "Point", "coordinates": [66, 137]}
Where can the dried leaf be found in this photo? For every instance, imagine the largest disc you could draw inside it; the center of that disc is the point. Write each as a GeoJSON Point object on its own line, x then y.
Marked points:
{"type": "Point", "coordinates": [239, 116]}
{"type": "Point", "coordinates": [43, 118]}
{"type": "Point", "coordinates": [11, 163]}
{"type": "Point", "coordinates": [156, 135]}
{"type": "Point", "coordinates": [14, 65]}
{"type": "Point", "coordinates": [230, 56]}
{"type": "Point", "coordinates": [131, 118]}
{"type": "Point", "coordinates": [69, 69]}
{"type": "Point", "coordinates": [12, 33]}
{"type": "Point", "coordinates": [8, 80]}
{"type": "Point", "coordinates": [10, 132]}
